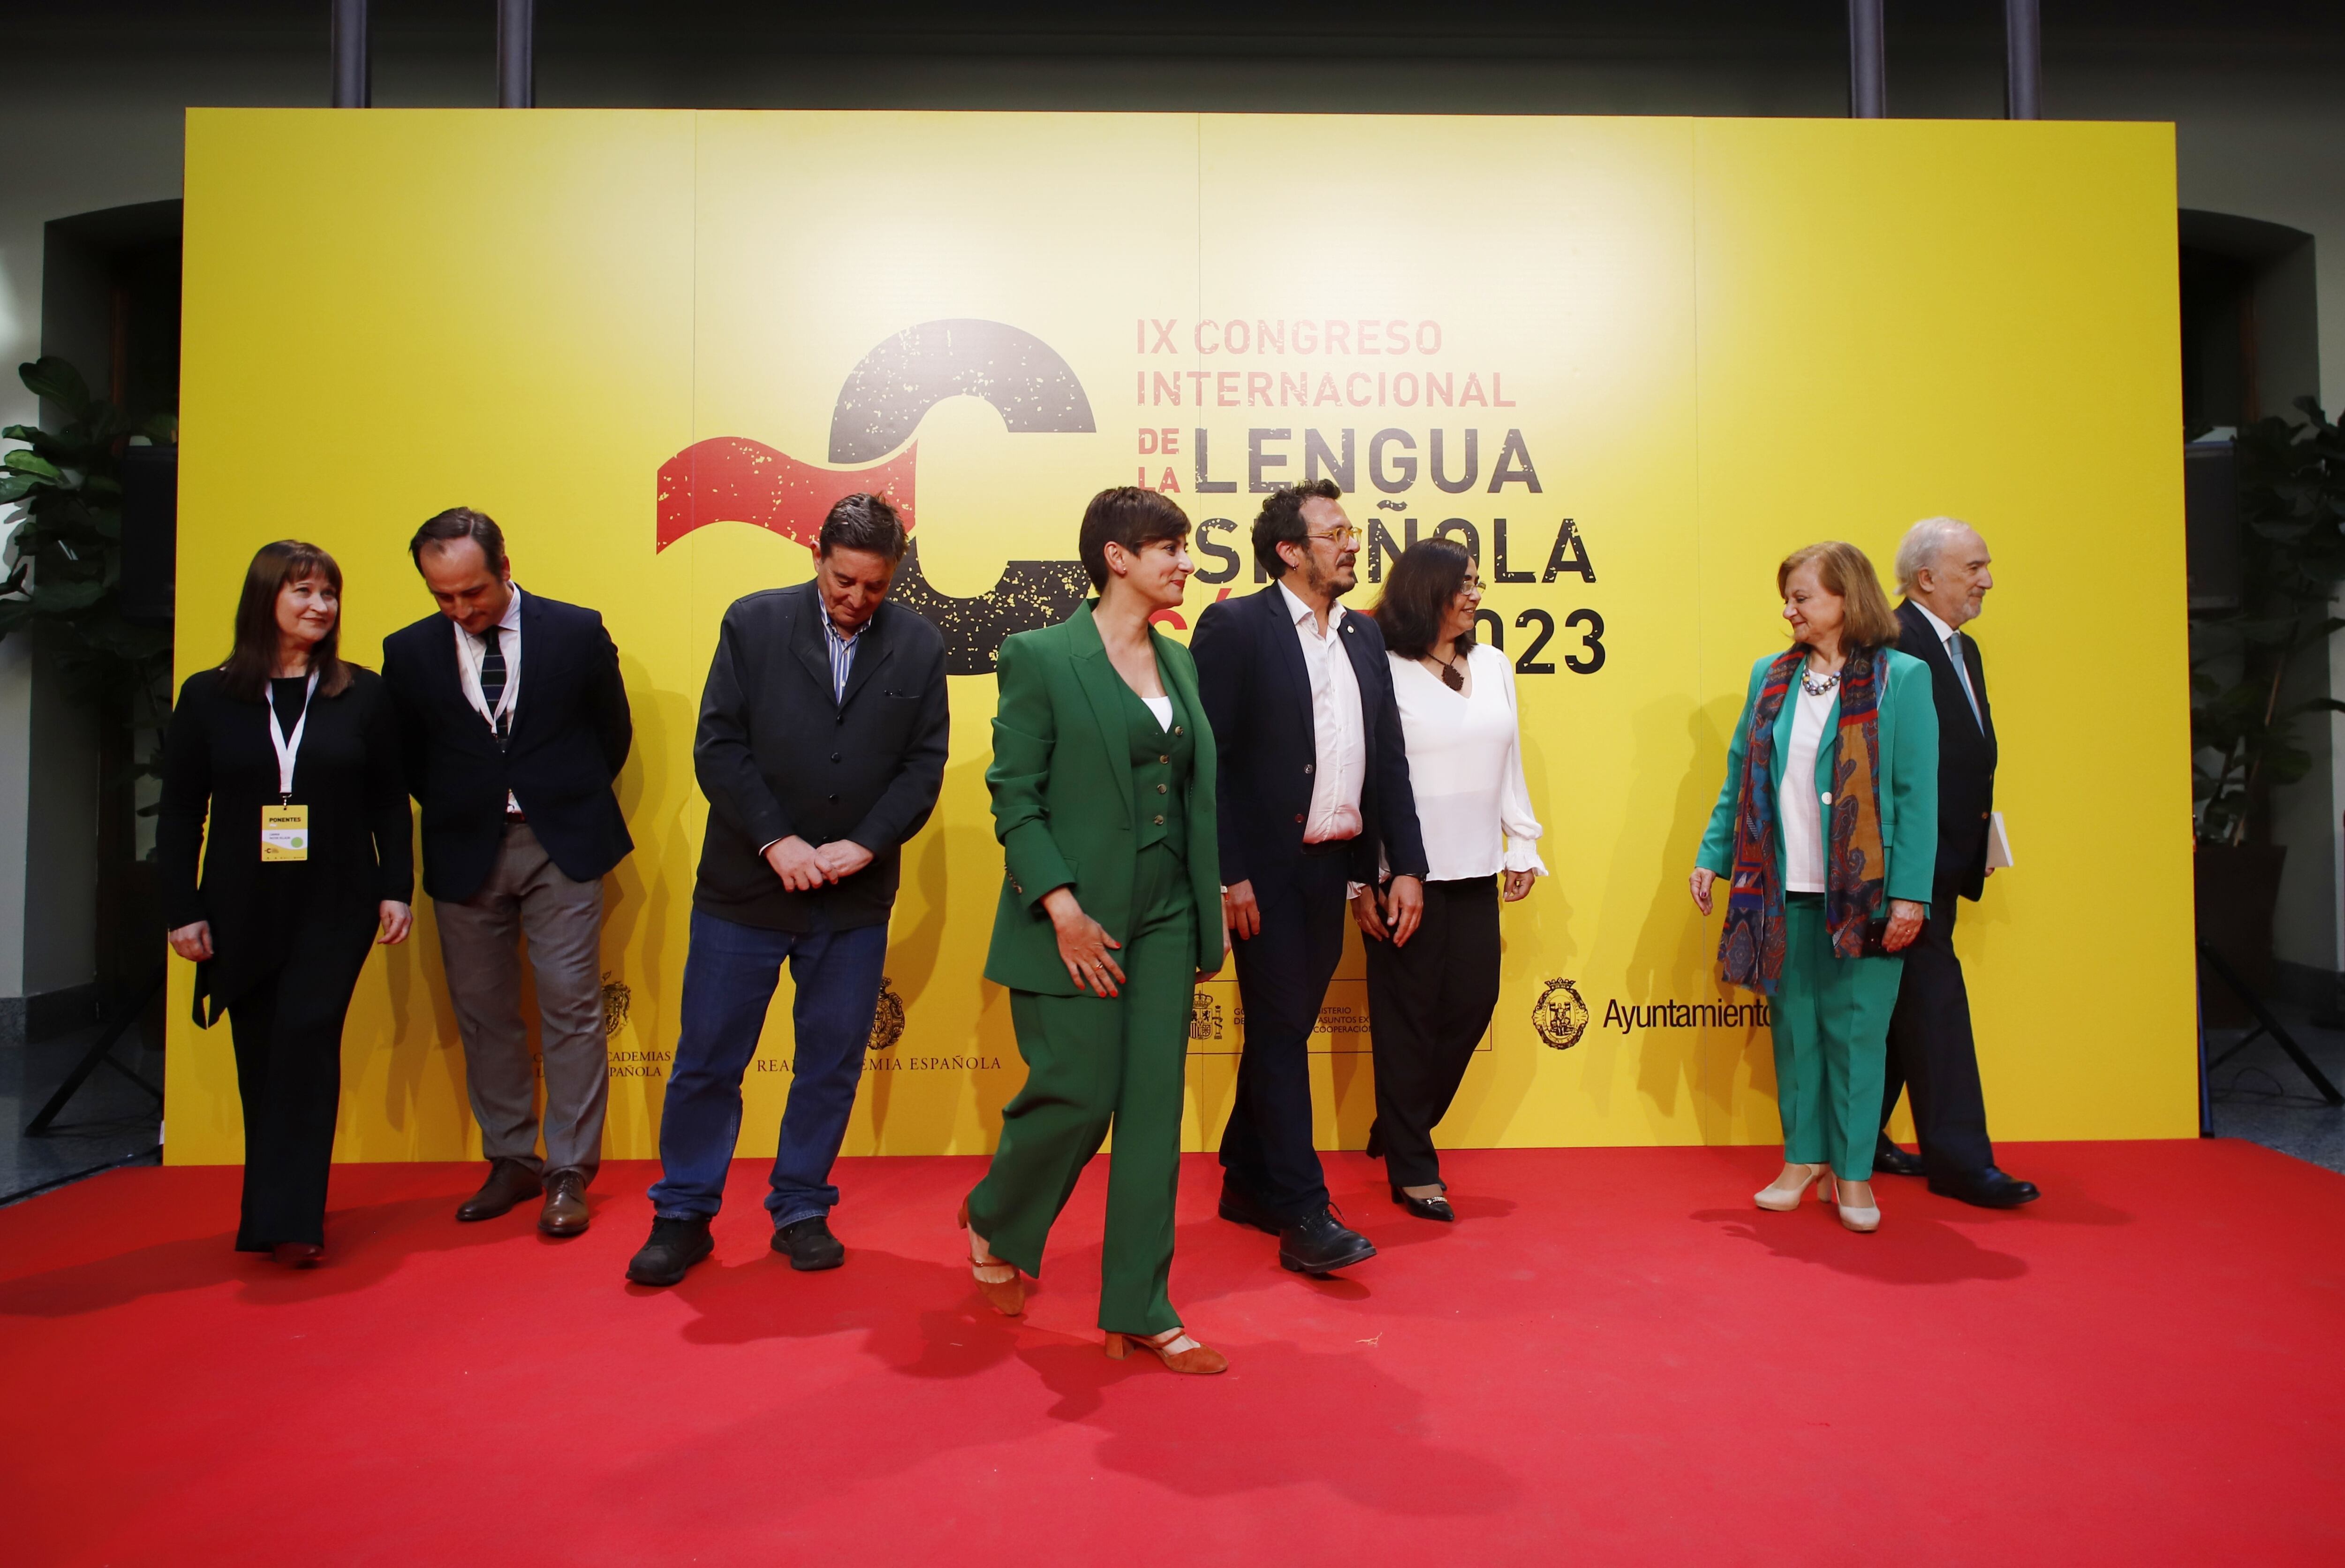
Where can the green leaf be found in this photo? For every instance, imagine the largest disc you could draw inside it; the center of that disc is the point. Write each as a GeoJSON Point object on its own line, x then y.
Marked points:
{"type": "Point", "coordinates": [16, 486]}
{"type": "Point", "coordinates": [34, 464]}
{"type": "Point", "coordinates": [54, 378]}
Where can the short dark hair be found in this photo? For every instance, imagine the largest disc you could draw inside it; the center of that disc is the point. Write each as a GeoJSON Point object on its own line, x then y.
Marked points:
{"type": "Point", "coordinates": [460, 523]}
{"type": "Point", "coordinates": [1425, 577]}
{"type": "Point", "coordinates": [1128, 515]}
{"type": "Point", "coordinates": [862, 522]}
{"type": "Point", "coordinates": [1280, 521]}
{"type": "Point", "coordinates": [252, 658]}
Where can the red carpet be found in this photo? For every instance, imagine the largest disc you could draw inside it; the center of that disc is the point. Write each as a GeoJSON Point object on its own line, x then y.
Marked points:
{"type": "Point", "coordinates": [1613, 1359]}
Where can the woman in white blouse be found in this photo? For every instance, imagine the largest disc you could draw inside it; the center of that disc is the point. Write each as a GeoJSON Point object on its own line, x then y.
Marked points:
{"type": "Point", "coordinates": [1431, 996]}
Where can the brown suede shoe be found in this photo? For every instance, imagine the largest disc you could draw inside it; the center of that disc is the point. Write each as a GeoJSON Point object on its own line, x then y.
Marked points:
{"type": "Point", "coordinates": [565, 1205]}
{"type": "Point", "coordinates": [510, 1181]}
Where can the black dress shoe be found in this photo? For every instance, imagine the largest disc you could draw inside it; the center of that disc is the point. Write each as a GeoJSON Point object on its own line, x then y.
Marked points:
{"type": "Point", "coordinates": [809, 1244]}
{"type": "Point", "coordinates": [510, 1181]}
{"type": "Point", "coordinates": [1321, 1244]}
{"type": "Point", "coordinates": [676, 1246]}
{"type": "Point", "coordinates": [1887, 1156]}
{"type": "Point", "coordinates": [1425, 1208]}
{"type": "Point", "coordinates": [1241, 1207]}
{"type": "Point", "coordinates": [1989, 1188]}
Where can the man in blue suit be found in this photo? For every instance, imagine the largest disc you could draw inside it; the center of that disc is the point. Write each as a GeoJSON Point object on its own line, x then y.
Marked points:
{"type": "Point", "coordinates": [1313, 791]}
{"type": "Point", "coordinates": [513, 722]}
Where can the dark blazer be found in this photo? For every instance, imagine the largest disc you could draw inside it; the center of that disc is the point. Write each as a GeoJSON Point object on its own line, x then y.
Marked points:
{"type": "Point", "coordinates": [1061, 784]}
{"type": "Point", "coordinates": [218, 762]}
{"type": "Point", "coordinates": [571, 731]}
{"type": "Point", "coordinates": [777, 756]}
{"type": "Point", "coordinates": [1967, 753]}
{"type": "Point", "coordinates": [1257, 692]}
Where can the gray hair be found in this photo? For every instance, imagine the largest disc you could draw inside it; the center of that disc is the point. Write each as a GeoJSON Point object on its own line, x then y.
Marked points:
{"type": "Point", "coordinates": [1922, 545]}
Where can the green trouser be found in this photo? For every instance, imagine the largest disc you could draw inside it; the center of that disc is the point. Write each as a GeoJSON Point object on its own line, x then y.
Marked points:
{"type": "Point", "coordinates": [1832, 1043]}
{"type": "Point", "coordinates": [1094, 1061]}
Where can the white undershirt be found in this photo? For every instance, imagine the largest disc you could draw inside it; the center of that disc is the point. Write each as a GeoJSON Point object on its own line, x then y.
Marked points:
{"type": "Point", "coordinates": [1162, 707]}
{"type": "Point", "coordinates": [1338, 731]}
{"type": "Point", "coordinates": [1797, 800]}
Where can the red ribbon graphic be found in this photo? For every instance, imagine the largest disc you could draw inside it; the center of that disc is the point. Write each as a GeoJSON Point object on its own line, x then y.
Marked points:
{"type": "Point", "coordinates": [729, 480]}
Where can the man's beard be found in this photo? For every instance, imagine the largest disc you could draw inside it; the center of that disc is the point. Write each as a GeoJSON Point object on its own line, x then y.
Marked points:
{"type": "Point", "coordinates": [1322, 582]}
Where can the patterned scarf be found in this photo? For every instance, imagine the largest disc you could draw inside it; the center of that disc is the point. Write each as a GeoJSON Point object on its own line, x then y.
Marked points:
{"type": "Point", "coordinates": [1751, 949]}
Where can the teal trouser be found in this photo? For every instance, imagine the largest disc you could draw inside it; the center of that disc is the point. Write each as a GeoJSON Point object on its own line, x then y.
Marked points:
{"type": "Point", "coordinates": [1092, 1061]}
{"type": "Point", "coordinates": [1832, 1043]}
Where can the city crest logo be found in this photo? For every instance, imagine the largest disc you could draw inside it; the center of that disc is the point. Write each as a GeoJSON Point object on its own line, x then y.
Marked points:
{"type": "Point", "coordinates": [887, 1021]}
{"type": "Point", "coordinates": [1560, 1015]}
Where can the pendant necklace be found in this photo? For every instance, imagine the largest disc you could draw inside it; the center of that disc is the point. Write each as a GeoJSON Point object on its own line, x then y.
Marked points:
{"type": "Point", "coordinates": [1453, 676]}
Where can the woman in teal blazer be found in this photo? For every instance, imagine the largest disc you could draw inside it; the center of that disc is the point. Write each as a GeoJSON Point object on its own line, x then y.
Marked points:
{"type": "Point", "coordinates": [1829, 813]}
{"type": "Point", "coordinates": [1111, 912]}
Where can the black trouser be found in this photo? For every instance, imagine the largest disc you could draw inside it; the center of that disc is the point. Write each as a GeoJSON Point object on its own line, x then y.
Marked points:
{"type": "Point", "coordinates": [1429, 1004]}
{"type": "Point", "coordinates": [289, 1072]}
{"type": "Point", "coordinates": [1283, 974]}
{"type": "Point", "coordinates": [1931, 1053]}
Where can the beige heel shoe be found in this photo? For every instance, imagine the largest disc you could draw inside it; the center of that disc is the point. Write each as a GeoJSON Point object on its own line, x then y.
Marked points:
{"type": "Point", "coordinates": [1178, 1352]}
{"type": "Point", "coordinates": [998, 1282]}
{"type": "Point", "coordinates": [1861, 1220]}
{"type": "Point", "coordinates": [1783, 1199]}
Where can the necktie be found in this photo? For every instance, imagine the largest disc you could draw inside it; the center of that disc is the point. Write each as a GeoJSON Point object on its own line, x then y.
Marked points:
{"type": "Point", "coordinates": [493, 679]}
{"type": "Point", "coordinates": [1963, 674]}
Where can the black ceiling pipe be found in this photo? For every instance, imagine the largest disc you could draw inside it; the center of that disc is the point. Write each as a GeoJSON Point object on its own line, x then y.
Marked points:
{"type": "Point", "coordinates": [353, 65]}
{"type": "Point", "coordinates": [1868, 68]}
{"type": "Point", "coordinates": [2023, 59]}
{"type": "Point", "coordinates": [516, 53]}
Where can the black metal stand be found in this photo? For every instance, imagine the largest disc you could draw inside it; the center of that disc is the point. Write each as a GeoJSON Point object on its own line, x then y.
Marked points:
{"type": "Point", "coordinates": [2265, 1024]}
{"type": "Point", "coordinates": [100, 1051]}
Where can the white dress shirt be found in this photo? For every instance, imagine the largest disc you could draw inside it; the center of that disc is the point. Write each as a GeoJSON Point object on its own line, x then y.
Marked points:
{"type": "Point", "coordinates": [1798, 802]}
{"type": "Point", "coordinates": [1946, 635]}
{"type": "Point", "coordinates": [470, 651]}
{"type": "Point", "coordinates": [1337, 729]}
{"type": "Point", "coordinates": [1466, 769]}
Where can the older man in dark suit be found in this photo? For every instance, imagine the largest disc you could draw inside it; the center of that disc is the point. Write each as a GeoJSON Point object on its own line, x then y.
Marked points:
{"type": "Point", "coordinates": [823, 733]}
{"type": "Point", "coordinates": [1943, 569]}
{"type": "Point", "coordinates": [1313, 787]}
{"type": "Point", "coordinates": [515, 722]}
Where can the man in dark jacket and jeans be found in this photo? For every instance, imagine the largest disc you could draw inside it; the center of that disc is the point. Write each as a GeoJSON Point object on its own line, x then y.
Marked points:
{"type": "Point", "coordinates": [821, 748]}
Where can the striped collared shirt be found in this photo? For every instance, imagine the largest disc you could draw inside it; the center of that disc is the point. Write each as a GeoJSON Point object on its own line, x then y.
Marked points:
{"type": "Point", "coordinates": [842, 655]}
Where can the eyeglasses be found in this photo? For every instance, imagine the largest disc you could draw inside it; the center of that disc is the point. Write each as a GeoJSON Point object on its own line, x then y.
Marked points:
{"type": "Point", "coordinates": [1343, 538]}
{"type": "Point", "coordinates": [1470, 585]}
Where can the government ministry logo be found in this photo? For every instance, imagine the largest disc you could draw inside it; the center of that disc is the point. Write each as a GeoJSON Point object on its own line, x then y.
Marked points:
{"type": "Point", "coordinates": [1204, 1017]}
{"type": "Point", "coordinates": [616, 1002]}
{"type": "Point", "coordinates": [1560, 1015]}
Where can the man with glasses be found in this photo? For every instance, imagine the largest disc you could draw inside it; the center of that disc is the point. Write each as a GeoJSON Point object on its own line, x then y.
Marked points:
{"type": "Point", "coordinates": [1313, 788]}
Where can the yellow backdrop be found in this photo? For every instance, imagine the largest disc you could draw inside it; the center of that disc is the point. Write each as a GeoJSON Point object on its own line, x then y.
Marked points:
{"type": "Point", "coordinates": [1662, 351]}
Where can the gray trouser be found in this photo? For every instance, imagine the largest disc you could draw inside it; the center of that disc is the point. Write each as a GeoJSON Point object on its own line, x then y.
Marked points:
{"type": "Point", "coordinates": [480, 941]}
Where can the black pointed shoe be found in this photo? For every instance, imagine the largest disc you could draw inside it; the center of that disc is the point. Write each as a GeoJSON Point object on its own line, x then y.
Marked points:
{"type": "Point", "coordinates": [676, 1244]}
{"type": "Point", "coordinates": [1888, 1157]}
{"type": "Point", "coordinates": [1426, 1208]}
{"type": "Point", "coordinates": [1989, 1188]}
{"type": "Point", "coordinates": [809, 1244]}
{"type": "Point", "coordinates": [1321, 1244]}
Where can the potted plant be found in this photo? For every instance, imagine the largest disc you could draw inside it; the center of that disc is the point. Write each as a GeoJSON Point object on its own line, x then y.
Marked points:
{"type": "Point", "coordinates": [61, 517]}
{"type": "Point", "coordinates": [2243, 722]}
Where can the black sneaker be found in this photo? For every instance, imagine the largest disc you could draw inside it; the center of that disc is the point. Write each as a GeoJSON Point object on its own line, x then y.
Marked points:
{"type": "Point", "coordinates": [1321, 1244]}
{"type": "Point", "coordinates": [676, 1246]}
{"type": "Point", "coordinates": [809, 1244]}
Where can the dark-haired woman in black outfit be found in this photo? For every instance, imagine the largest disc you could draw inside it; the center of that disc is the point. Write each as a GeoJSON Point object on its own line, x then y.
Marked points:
{"type": "Point", "coordinates": [294, 757]}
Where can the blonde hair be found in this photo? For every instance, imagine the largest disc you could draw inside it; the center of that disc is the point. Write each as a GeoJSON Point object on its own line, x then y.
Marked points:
{"type": "Point", "coordinates": [1843, 569]}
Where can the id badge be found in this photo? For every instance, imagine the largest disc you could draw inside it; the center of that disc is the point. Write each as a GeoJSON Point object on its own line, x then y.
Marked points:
{"type": "Point", "coordinates": [285, 832]}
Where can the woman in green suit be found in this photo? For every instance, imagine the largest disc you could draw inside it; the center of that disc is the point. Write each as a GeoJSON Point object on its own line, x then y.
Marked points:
{"type": "Point", "coordinates": [1102, 782]}
{"type": "Point", "coordinates": [1830, 811]}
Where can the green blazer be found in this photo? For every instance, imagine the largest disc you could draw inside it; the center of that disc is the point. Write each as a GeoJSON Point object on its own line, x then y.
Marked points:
{"type": "Point", "coordinates": [1061, 784]}
{"type": "Point", "coordinates": [1908, 782]}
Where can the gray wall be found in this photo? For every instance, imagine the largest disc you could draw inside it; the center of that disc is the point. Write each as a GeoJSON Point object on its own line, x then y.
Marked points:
{"type": "Point", "coordinates": [92, 118]}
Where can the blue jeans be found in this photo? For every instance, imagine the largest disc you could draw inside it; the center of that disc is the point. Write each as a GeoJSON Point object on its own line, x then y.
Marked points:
{"type": "Point", "coordinates": [729, 975]}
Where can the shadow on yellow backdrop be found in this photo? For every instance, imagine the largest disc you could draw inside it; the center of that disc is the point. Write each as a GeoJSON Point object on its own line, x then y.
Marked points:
{"type": "Point", "coordinates": [1703, 342]}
